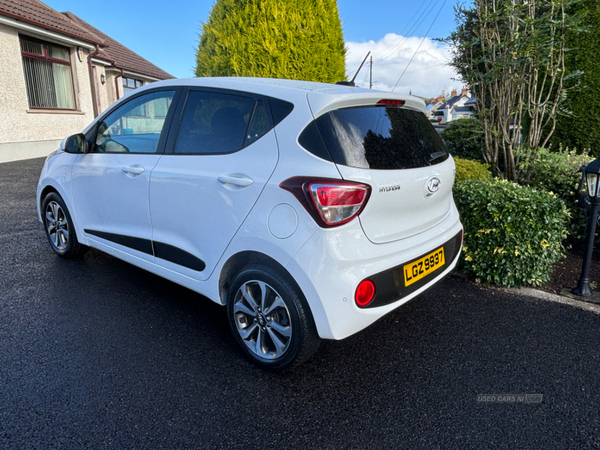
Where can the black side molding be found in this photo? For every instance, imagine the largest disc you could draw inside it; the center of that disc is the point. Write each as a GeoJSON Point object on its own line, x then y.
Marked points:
{"type": "Point", "coordinates": [178, 256]}
{"type": "Point", "coordinates": [139, 244]}
{"type": "Point", "coordinates": [158, 249]}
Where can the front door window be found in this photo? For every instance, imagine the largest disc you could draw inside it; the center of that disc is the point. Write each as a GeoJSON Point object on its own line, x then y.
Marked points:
{"type": "Point", "coordinates": [136, 126]}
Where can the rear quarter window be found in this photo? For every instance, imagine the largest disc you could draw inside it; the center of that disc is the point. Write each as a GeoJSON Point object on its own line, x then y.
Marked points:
{"type": "Point", "coordinates": [375, 138]}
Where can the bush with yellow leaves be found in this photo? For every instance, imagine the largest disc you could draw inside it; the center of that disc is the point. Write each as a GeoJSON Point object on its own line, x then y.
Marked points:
{"type": "Point", "coordinates": [467, 169]}
{"type": "Point", "coordinates": [513, 234]}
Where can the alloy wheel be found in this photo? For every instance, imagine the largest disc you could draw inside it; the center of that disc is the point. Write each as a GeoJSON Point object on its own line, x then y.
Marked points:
{"type": "Point", "coordinates": [262, 319]}
{"type": "Point", "coordinates": [57, 225]}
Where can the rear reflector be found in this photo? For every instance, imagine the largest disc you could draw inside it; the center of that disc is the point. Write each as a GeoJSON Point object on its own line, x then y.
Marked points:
{"type": "Point", "coordinates": [391, 102]}
{"type": "Point", "coordinates": [365, 292]}
{"type": "Point", "coordinates": [330, 202]}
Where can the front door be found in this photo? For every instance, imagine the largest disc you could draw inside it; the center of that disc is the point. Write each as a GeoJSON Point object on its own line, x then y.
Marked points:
{"type": "Point", "coordinates": [111, 181]}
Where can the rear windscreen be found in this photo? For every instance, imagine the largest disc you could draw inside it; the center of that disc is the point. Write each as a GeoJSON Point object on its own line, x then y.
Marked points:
{"type": "Point", "coordinates": [375, 138]}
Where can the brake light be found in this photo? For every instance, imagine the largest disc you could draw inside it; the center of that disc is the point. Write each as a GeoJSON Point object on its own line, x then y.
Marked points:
{"type": "Point", "coordinates": [391, 102]}
{"type": "Point", "coordinates": [330, 202]}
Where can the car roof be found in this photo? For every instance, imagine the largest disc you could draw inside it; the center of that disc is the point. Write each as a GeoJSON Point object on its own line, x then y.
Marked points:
{"type": "Point", "coordinates": [252, 84]}
{"type": "Point", "coordinates": [321, 94]}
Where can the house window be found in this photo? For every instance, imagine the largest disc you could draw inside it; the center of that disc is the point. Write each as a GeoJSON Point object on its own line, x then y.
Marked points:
{"type": "Point", "coordinates": [129, 84]}
{"type": "Point", "coordinates": [48, 75]}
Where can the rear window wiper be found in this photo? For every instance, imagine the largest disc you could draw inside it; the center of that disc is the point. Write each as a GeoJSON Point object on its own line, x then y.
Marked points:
{"type": "Point", "coordinates": [436, 155]}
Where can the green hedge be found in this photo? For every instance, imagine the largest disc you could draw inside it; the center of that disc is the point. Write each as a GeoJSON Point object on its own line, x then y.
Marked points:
{"type": "Point", "coordinates": [465, 138]}
{"type": "Point", "coordinates": [556, 172]}
{"type": "Point", "coordinates": [467, 169]}
{"type": "Point", "coordinates": [513, 234]}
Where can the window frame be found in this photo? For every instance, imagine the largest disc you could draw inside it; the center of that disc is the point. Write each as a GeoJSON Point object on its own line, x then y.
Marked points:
{"type": "Point", "coordinates": [174, 130]}
{"type": "Point", "coordinates": [135, 84]}
{"type": "Point", "coordinates": [91, 135]}
{"type": "Point", "coordinates": [132, 89]}
{"type": "Point", "coordinates": [46, 57]}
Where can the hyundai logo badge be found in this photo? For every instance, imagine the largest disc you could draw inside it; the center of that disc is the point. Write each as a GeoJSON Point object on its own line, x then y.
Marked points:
{"type": "Point", "coordinates": [433, 185]}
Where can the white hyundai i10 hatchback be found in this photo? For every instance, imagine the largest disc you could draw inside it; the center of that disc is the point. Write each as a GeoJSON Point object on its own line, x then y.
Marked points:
{"type": "Point", "coordinates": [309, 210]}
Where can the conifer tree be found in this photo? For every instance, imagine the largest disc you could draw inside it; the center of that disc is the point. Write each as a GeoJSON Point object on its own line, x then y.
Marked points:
{"type": "Point", "coordinates": [581, 128]}
{"type": "Point", "coordinates": [299, 39]}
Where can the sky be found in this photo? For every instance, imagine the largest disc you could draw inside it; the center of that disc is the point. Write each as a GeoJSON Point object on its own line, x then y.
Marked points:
{"type": "Point", "coordinates": [395, 31]}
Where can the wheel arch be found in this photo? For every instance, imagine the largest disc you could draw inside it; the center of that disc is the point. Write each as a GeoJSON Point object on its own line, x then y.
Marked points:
{"type": "Point", "coordinates": [45, 191]}
{"type": "Point", "coordinates": [238, 261]}
{"type": "Point", "coordinates": [49, 186]}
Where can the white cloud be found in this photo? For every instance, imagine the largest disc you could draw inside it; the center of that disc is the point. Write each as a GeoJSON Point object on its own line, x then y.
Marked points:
{"type": "Point", "coordinates": [427, 75]}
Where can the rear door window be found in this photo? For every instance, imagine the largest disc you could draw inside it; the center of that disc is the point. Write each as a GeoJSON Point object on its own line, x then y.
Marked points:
{"type": "Point", "coordinates": [385, 138]}
{"type": "Point", "coordinates": [219, 123]}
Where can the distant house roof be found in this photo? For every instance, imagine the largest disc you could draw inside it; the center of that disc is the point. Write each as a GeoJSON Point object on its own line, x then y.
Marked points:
{"type": "Point", "coordinates": [471, 101]}
{"type": "Point", "coordinates": [463, 109]}
{"type": "Point", "coordinates": [37, 13]}
{"type": "Point", "coordinates": [432, 107]}
{"type": "Point", "coordinates": [119, 55]}
{"type": "Point", "coordinates": [452, 101]}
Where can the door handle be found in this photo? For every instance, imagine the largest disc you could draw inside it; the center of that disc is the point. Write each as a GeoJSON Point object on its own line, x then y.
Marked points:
{"type": "Point", "coordinates": [242, 181]}
{"type": "Point", "coordinates": [133, 170]}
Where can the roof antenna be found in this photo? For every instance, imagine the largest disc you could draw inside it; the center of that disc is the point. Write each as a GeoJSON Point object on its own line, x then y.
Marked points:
{"type": "Point", "coordinates": [351, 82]}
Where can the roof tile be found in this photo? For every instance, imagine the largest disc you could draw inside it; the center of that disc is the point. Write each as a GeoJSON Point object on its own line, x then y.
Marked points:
{"type": "Point", "coordinates": [37, 13]}
{"type": "Point", "coordinates": [118, 54]}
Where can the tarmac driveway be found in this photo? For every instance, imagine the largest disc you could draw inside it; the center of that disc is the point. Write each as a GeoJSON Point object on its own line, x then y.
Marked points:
{"type": "Point", "coordinates": [96, 353]}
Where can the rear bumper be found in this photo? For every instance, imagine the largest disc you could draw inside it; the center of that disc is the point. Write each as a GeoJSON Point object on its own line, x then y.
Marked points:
{"type": "Point", "coordinates": [390, 285]}
{"type": "Point", "coordinates": [329, 268]}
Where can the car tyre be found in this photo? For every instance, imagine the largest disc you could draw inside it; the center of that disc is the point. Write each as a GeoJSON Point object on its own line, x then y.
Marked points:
{"type": "Point", "coordinates": [270, 318]}
{"type": "Point", "coordinates": [59, 228]}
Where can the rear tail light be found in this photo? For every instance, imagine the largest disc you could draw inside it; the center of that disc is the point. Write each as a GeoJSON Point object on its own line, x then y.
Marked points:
{"type": "Point", "coordinates": [330, 202]}
{"type": "Point", "coordinates": [338, 203]}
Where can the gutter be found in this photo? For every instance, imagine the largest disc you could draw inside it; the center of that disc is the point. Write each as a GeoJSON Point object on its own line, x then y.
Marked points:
{"type": "Point", "coordinates": [117, 83]}
{"type": "Point", "coordinates": [92, 81]}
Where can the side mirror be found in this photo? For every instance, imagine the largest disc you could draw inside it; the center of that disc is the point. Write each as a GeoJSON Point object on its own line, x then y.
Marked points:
{"type": "Point", "coordinates": [75, 143]}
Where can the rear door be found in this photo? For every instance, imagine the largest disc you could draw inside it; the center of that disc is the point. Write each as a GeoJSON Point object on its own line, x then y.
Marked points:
{"type": "Point", "coordinates": [397, 152]}
{"type": "Point", "coordinates": [222, 152]}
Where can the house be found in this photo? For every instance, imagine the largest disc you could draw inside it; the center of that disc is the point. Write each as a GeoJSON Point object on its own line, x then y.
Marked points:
{"type": "Point", "coordinates": [470, 108]}
{"type": "Point", "coordinates": [454, 108]}
{"type": "Point", "coordinates": [57, 73]}
{"type": "Point", "coordinates": [433, 106]}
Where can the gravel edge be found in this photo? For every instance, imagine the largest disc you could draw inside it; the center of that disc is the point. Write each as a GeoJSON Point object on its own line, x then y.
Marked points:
{"type": "Point", "coordinates": [542, 295]}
